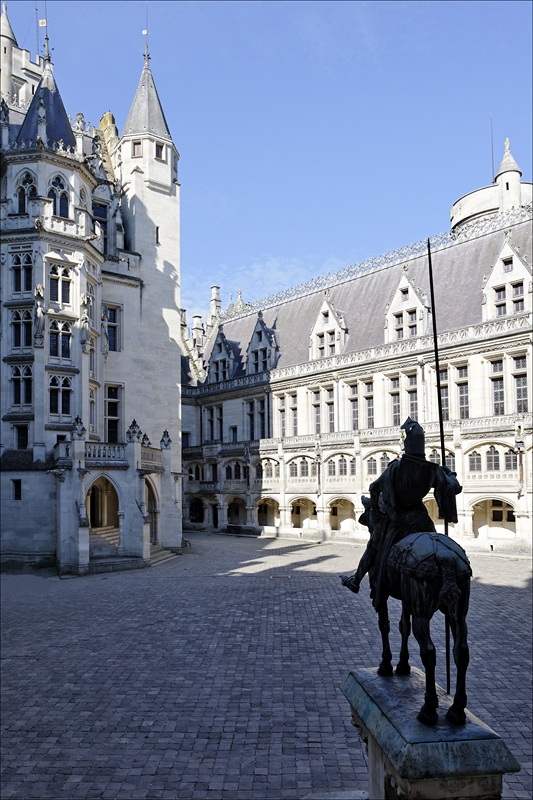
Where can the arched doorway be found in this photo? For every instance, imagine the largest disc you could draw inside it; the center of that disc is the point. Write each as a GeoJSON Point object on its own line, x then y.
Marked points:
{"type": "Point", "coordinates": [236, 512]}
{"type": "Point", "coordinates": [342, 515]}
{"type": "Point", "coordinates": [102, 506]}
{"type": "Point", "coordinates": [268, 513]}
{"type": "Point", "coordinates": [303, 513]}
{"type": "Point", "coordinates": [196, 510]}
{"type": "Point", "coordinates": [494, 519]}
{"type": "Point", "coordinates": [152, 511]}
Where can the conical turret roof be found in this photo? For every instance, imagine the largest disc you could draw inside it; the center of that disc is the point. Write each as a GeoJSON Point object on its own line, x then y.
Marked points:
{"type": "Point", "coordinates": [146, 114]}
{"type": "Point", "coordinates": [508, 163]}
{"type": "Point", "coordinates": [5, 26]}
{"type": "Point", "coordinates": [47, 99]}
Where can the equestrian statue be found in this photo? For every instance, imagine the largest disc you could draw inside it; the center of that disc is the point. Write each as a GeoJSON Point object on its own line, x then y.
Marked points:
{"type": "Point", "coordinates": [407, 559]}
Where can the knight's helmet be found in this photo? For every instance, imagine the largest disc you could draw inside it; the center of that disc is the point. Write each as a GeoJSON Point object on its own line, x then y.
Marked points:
{"type": "Point", "coordinates": [414, 444]}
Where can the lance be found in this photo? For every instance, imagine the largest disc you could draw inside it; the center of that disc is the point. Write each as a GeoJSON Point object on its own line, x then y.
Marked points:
{"type": "Point", "coordinates": [441, 429]}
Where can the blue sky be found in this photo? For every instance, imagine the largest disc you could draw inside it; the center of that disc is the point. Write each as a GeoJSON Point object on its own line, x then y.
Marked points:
{"type": "Point", "coordinates": [312, 135]}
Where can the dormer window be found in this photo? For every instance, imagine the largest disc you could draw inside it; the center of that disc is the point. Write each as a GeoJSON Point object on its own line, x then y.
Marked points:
{"type": "Point", "coordinates": [507, 264]}
{"type": "Point", "coordinates": [518, 297]}
{"type": "Point", "coordinates": [404, 294]}
{"type": "Point", "coordinates": [398, 325]}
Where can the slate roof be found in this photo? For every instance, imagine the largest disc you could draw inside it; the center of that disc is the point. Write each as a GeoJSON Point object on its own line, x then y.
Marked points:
{"type": "Point", "coordinates": [58, 127]}
{"type": "Point", "coordinates": [458, 275]}
{"type": "Point", "coordinates": [146, 113]}
{"type": "Point", "coordinates": [5, 26]}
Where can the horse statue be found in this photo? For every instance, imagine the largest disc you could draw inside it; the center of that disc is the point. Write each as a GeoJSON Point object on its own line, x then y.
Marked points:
{"type": "Point", "coordinates": [407, 559]}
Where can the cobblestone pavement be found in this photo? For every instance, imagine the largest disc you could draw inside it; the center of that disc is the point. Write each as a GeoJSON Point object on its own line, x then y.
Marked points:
{"type": "Point", "coordinates": [216, 675]}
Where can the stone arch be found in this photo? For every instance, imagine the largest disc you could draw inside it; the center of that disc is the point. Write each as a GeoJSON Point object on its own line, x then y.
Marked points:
{"type": "Point", "coordinates": [151, 502]}
{"type": "Point", "coordinates": [236, 511]}
{"type": "Point", "coordinates": [268, 513]}
{"type": "Point", "coordinates": [103, 508]}
{"type": "Point", "coordinates": [493, 518]}
{"type": "Point", "coordinates": [341, 515]}
{"type": "Point", "coordinates": [303, 512]}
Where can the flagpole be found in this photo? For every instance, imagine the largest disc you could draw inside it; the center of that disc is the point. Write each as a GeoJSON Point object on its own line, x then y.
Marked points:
{"type": "Point", "coordinates": [441, 429]}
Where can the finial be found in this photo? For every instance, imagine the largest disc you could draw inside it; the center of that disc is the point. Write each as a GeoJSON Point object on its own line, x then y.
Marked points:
{"type": "Point", "coordinates": [507, 146]}
{"type": "Point", "coordinates": [146, 50]}
{"type": "Point", "coordinates": [47, 56]}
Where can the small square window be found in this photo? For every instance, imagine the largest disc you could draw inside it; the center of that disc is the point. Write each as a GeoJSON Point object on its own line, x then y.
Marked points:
{"type": "Point", "coordinates": [16, 489]}
{"type": "Point", "coordinates": [136, 149]}
{"type": "Point", "coordinates": [159, 150]}
{"type": "Point", "coordinates": [507, 264]}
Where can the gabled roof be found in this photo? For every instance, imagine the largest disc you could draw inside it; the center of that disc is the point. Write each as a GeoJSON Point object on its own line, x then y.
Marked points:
{"type": "Point", "coordinates": [58, 127]}
{"type": "Point", "coordinates": [146, 114]}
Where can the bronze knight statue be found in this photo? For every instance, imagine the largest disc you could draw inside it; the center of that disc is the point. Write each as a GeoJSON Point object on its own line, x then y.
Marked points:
{"type": "Point", "coordinates": [408, 560]}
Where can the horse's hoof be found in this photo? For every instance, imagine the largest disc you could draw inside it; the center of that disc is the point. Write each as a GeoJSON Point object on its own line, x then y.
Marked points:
{"type": "Point", "coordinates": [385, 670]}
{"type": "Point", "coordinates": [456, 716]}
{"type": "Point", "coordinates": [403, 669]}
{"type": "Point", "coordinates": [427, 716]}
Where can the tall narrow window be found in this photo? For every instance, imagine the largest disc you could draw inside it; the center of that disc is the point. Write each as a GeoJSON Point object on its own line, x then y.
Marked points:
{"type": "Point", "coordinates": [112, 413]}
{"type": "Point", "coordinates": [60, 282]}
{"type": "Point", "coordinates": [395, 401]}
{"type": "Point", "coordinates": [474, 462]}
{"type": "Point", "coordinates": [60, 396]}
{"type": "Point", "coordinates": [369, 389]}
{"type": "Point", "coordinates": [444, 394]}
{"type": "Point", "coordinates": [100, 212]}
{"type": "Point", "coordinates": [22, 437]}
{"type": "Point", "coordinates": [251, 420]}
{"type": "Point", "coordinates": [22, 382]}
{"type": "Point", "coordinates": [113, 319]}
{"type": "Point", "coordinates": [520, 380]}
{"type": "Point", "coordinates": [316, 410]}
{"type": "Point", "coordinates": [330, 410]}
{"type": "Point", "coordinates": [22, 268]}
{"type": "Point", "coordinates": [462, 388]}
{"type": "Point", "coordinates": [59, 195]}
{"type": "Point", "coordinates": [60, 336]}
{"type": "Point", "coordinates": [493, 459]}
{"type": "Point", "coordinates": [498, 402]}
{"type": "Point", "coordinates": [22, 328]}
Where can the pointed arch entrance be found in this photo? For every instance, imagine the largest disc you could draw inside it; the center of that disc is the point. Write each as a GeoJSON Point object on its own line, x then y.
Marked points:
{"type": "Point", "coordinates": [102, 504]}
{"type": "Point", "coordinates": [152, 509]}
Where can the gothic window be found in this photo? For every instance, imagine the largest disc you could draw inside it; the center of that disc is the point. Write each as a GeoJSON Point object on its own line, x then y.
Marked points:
{"type": "Point", "coordinates": [331, 468]}
{"type": "Point", "coordinates": [60, 395]}
{"type": "Point", "coordinates": [493, 459]}
{"type": "Point", "coordinates": [60, 338]}
{"type": "Point", "coordinates": [474, 462]}
{"type": "Point", "coordinates": [304, 468]}
{"type": "Point", "coordinates": [113, 328]}
{"type": "Point", "coordinates": [372, 466]}
{"type": "Point", "coordinates": [450, 461]}
{"type": "Point", "coordinates": [259, 472]}
{"type": "Point", "coordinates": [26, 191]}
{"type": "Point", "coordinates": [268, 469]}
{"type": "Point", "coordinates": [353, 468]}
{"type": "Point", "coordinates": [237, 471]}
{"type": "Point", "coordinates": [434, 456]}
{"type": "Point", "coordinates": [21, 379]}
{"type": "Point", "coordinates": [22, 328]}
{"type": "Point", "coordinates": [22, 437]}
{"type": "Point", "coordinates": [59, 196]}
{"type": "Point", "coordinates": [384, 462]}
{"type": "Point", "coordinates": [60, 285]}
{"type": "Point", "coordinates": [511, 460]}
{"type": "Point", "coordinates": [22, 267]}
{"type": "Point", "coordinates": [293, 469]}
{"type": "Point", "coordinates": [343, 466]}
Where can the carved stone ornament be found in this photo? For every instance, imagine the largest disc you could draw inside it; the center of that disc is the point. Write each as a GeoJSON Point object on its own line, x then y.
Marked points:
{"type": "Point", "coordinates": [166, 441]}
{"type": "Point", "coordinates": [133, 432]}
{"type": "Point", "coordinates": [78, 429]}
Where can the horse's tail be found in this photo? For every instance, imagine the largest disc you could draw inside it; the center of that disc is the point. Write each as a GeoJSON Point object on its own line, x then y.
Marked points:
{"type": "Point", "coordinates": [450, 591]}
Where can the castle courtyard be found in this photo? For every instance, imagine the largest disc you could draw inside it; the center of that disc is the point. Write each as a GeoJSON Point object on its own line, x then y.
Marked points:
{"type": "Point", "coordinates": [216, 674]}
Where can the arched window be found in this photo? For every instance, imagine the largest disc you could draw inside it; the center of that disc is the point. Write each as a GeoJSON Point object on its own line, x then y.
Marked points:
{"type": "Point", "coordinates": [304, 468]}
{"type": "Point", "coordinates": [268, 469]}
{"type": "Point", "coordinates": [343, 466]}
{"type": "Point", "coordinates": [237, 471]}
{"type": "Point", "coordinates": [493, 459]}
{"type": "Point", "coordinates": [60, 392]}
{"type": "Point", "coordinates": [197, 472]}
{"type": "Point", "coordinates": [450, 461]}
{"type": "Point", "coordinates": [474, 462]}
{"type": "Point", "coordinates": [229, 473]}
{"type": "Point", "coordinates": [22, 328]}
{"type": "Point", "coordinates": [434, 456]}
{"type": "Point", "coordinates": [353, 467]}
{"type": "Point", "coordinates": [21, 378]}
{"type": "Point", "coordinates": [259, 472]}
{"type": "Point", "coordinates": [331, 468]}
{"type": "Point", "coordinates": [22, 266]}
{"type": "Point", "coordinates": [372, 467]}
{"type": "Point", "coordinates": [384, 462]}
{"type": "Point", "coordinates": [59, 195]}
{"type": "Point", "coordinates": [511, 460]}
{"type": "Point", "coordinates": [293, 469]}
{"type": "Point", "coordinates": [25, 191]}
{"type": "Point", "coordinates": [60, 285]}
{"type": "Point", "coordinates": [60, 335]}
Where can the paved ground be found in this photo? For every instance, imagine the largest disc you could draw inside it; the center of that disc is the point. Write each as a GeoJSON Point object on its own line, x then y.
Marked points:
{"type": "Point", "coordinates": [217, 675]}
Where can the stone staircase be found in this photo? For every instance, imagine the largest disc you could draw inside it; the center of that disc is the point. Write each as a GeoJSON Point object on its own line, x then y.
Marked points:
{"type": "Point", "coordinates": [158, 555]}
{"type": "Point", "coordinates": [103, 542]}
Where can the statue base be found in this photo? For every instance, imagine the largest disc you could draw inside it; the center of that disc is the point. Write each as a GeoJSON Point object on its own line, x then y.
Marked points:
{"type": "Point", "coordinates": [410, 761]}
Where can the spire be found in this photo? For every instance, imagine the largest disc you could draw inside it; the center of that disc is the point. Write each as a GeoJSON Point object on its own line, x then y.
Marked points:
{"type": "Point", "coordinates": [508, 163]}
{"type": "Point", "coordinates": [146, 114]}
{"type": "Point", "coordinates": [47, 105]}
{"type": "Point", "coordinates": [5, 26]}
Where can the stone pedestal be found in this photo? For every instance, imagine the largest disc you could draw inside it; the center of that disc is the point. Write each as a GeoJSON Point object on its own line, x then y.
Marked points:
{"type": "Point", "coordinates": [410, 761]}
